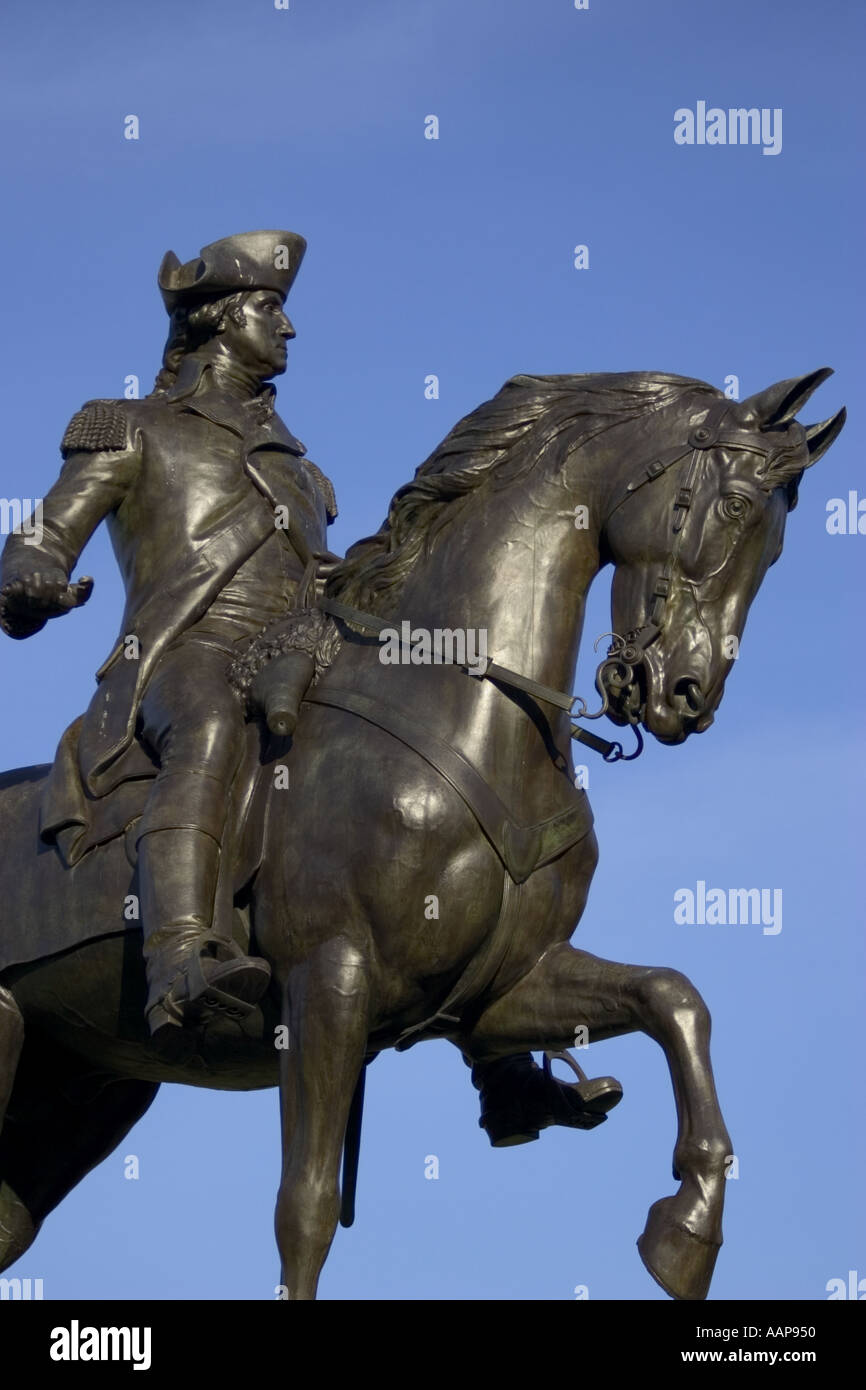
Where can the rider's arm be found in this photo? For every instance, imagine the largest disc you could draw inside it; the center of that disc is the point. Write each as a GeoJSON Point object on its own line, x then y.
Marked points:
{"type": "Point", "coordinates": [35, 568]}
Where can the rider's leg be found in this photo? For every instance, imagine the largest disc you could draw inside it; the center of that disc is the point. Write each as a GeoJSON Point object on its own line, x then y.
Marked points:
{"type": "Point", "coordinates": [194, 724]}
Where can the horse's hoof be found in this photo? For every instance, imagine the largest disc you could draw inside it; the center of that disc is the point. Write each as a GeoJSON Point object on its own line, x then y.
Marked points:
{"type": "Point", "coordinates": [681, 1261]}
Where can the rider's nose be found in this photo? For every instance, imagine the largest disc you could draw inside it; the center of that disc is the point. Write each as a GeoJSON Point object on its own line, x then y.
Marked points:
{"type": "Point", "coordinates": [287, 330]}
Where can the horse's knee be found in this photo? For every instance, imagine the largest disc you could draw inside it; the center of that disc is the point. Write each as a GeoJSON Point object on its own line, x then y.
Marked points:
{"type": "Point", "coordinates": [308, 1209]}
{"type": "Point", "coordinates": [661, 993]}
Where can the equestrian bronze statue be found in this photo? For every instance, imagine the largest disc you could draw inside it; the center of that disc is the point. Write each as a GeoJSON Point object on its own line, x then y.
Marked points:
{"type": "Point", "coordinates": [299, 823]}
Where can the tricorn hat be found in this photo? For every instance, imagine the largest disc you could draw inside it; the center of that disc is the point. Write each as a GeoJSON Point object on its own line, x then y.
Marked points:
{"type": "Point", "coordinates": [248, 261]}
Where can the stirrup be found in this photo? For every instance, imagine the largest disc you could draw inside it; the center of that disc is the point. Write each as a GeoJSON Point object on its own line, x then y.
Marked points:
{"type": "Point", "coordinates": [573, 1105]}
{"type": "Point", "coordinates": [250, 976]}
{"type": "Point", "coordinates": [598, 1095]}
{"type": "Point", "coordinates": [207, 987]}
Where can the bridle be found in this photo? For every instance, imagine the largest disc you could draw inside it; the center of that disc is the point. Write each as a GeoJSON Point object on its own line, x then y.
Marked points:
{"type": "Point", "coordinates": [617, 671]}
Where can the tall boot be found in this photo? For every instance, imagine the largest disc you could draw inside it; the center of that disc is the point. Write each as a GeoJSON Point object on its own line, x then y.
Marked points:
{"type": "Point", "coordinates": [189, 970]}
{"type": "Point", "coordinates": [519, 1098]}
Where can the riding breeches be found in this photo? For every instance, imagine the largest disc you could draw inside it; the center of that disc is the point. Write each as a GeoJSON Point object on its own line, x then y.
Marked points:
{"type": "Point", "coordinates": [192, 721]}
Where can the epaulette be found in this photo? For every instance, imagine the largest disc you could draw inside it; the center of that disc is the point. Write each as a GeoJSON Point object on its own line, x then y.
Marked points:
{"type": "Point", "coordinates": [326, 488]}
{"type": "Point", "coordinates": [97, 425]}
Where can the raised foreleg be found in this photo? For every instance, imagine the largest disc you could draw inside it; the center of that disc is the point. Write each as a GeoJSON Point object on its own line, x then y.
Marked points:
{"type": "Point", "coordinates": [568, 989]}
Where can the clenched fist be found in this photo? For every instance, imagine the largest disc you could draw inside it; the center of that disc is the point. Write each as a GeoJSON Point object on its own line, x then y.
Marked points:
{"type": "Point", "coordinates": [28, 601]}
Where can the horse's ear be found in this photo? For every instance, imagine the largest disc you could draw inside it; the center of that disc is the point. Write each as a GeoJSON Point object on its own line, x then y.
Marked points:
{"type": "Point", "coordinates": [779, 404]}
{"type": "Point", "coordinates": [820, 437]}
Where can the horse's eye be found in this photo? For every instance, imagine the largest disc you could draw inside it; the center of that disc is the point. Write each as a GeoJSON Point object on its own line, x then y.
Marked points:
{"type": "Point", "coordinates": [736, 507]}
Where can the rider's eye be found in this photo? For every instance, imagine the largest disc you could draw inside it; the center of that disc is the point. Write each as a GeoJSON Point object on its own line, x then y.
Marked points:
{"type": "Point", "coordinates": [736, 507]}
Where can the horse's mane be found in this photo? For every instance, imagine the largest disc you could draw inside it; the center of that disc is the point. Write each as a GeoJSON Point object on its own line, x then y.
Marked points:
{"type": "Point", "coordinates": [499, 441]}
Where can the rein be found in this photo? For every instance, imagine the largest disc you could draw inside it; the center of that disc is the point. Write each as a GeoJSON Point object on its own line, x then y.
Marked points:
{"type": "Point", "coordinates": [617, 670]}
{"type": "Point", "coordinates": [612, 752]}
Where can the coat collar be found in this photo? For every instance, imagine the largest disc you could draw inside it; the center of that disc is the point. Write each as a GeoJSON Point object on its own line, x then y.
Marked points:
{"type": "Point", "coordinates": [195, 388]}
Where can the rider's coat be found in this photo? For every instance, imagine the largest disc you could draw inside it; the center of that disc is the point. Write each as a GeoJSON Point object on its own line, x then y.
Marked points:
{"type": "Point", "coordinates": [186, 505]}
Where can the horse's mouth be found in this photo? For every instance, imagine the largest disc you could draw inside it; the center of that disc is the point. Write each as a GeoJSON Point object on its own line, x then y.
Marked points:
{"type": "Point", "coordinates": [685, 709]}
{"type": "Point", "coordinates": [669, 717]}
{"type": "Point", "coordinates": [627, 703]}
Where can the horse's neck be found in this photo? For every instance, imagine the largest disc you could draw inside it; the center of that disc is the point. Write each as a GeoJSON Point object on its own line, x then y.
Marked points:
{"type": "Point", "coordinates": [518, 567]}
{"type": "Point", "coordinates": [514, 566]}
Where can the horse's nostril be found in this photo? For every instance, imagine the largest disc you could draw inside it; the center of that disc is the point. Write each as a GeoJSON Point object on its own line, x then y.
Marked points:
{"type": "Point", "coordinates": [691, 692]}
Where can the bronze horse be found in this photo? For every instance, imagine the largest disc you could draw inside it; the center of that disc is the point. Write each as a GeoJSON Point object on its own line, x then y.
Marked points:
{"type": "Point", "coordinates": [418, 783]}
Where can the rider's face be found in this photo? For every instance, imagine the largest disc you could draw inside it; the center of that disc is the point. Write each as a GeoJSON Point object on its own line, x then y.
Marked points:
{"type": "Point", "coordinates": [260, 343]}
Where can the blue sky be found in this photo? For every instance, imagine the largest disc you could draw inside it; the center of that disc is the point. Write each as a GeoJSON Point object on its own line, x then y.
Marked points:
{"type": "Point", "coordinates": [455, 257]}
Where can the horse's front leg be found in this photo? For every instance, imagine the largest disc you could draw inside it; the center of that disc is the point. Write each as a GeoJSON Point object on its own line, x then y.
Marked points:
{"type": "Point", "coordinates": [325, 1011]}
{"type": "Point", "coordinates": [569, 988]}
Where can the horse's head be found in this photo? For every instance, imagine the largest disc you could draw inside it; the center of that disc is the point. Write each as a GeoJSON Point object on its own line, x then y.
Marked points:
{"type": "Point", "coordinates": [691, 538]}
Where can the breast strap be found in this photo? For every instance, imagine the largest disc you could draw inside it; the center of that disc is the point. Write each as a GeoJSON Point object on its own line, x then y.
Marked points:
{"type": "Point", "coordinates": [522, 848]}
